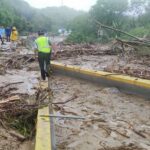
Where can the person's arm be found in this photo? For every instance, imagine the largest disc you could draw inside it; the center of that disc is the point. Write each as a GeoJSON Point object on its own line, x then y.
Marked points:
{"type": "Point", "coordinates": [35, 51]}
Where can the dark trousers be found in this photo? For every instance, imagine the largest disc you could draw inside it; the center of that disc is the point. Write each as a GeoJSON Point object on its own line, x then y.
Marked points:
{"type": "Point", "coordinates": [2, 40]}
{"type": "Point", "coordinates": [8, 38]}
{"type": "Point", "coordinates": [44, 63]}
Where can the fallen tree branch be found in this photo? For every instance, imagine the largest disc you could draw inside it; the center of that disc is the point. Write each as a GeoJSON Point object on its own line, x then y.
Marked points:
{"type": "Point", "coordinates": [11, 84]}
{"type": "Point", "coordinates": [70, 99]}
{"type": "Point", "coordinates": [138, 133]}
{"type": "Point", "coordinates": [122, 134]}
{"type": "Point", "coordinates": [17, 135]}
{"type": "Point", "coordinates": [28, 60]}
{"type": "Point", "coordinates": [114, 29]}
{"type": "Point", "coordinates": [10, 99]}
{"type": "Point", "coordinates": [131, 43]}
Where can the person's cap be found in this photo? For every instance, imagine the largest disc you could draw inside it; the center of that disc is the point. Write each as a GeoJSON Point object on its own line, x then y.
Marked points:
{"type": "Point", "coordinates": [14, 28]}
{"type": "Point", "coordinates": [40, 32]}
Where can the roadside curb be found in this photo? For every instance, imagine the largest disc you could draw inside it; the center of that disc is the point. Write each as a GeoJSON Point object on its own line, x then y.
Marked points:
{"type": "Point", "coordinates": [43, 132]}
{"type": "Point", "coordinates": [123, 82]}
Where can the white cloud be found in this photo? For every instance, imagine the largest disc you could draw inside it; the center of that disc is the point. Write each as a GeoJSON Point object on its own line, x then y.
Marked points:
{"type": "Point", "coordinates": [76, 4]}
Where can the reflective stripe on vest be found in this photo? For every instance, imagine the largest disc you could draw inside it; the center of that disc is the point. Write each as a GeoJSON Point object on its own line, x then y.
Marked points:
{"type": "Point", "coordinates": [43, 44]}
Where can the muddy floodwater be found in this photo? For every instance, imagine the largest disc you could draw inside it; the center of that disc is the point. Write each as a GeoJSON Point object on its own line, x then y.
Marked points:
{"type": "Point", "coordinates": [113, 120]}
{"type": "Point", "coordinates": [26, 80]}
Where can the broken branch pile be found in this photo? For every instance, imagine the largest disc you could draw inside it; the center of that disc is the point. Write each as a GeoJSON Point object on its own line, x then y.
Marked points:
{"type": "Point", "coordinates": [17, 114]}
{"type": "Point", "coordinates": [12, 104]}
{"type": "Point", "coordinates": [131, 43]}
{"type": "Point", "coordinates": [140, 73]}
{"type": "Point", "coordinates": [16, 111]}
{"type": "Point", "coordinates": [78, 50]}
{"type": "Point", "coordinates": [17, 61]}
{"type": "Point", "coordinates": [6, 91]}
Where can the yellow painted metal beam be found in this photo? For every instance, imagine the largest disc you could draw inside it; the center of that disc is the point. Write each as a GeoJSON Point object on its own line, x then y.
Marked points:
{"type": "Point", "coordinates": [110, 76]}
{"type": "Point", "coordinates": [43, 133]}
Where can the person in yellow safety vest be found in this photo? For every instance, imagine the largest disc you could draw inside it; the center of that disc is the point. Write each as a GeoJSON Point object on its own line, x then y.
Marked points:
{"type": "Point", "coordinates": [14, 34]}
{"type": "Point", "coordinates": [14, 37]}
{"type": "Point", "coordinates": [44, 48]}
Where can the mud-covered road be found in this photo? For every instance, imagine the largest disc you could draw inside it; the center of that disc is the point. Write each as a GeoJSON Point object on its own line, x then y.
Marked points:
{"type": "Point", "coordinates": [105, 58]}
{"type": "Point", "coordinates": [113, 120]}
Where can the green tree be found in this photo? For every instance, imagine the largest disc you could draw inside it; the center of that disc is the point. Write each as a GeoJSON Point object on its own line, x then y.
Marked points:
{"type": "Point", "coordinates": [83, 29]}
{"type": "Point", "coordinates": [27, 18]}
{"type": "Point", "coordinates": [109, 12]}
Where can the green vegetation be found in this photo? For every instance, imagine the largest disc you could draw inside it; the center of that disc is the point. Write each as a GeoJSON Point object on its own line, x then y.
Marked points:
{"type": "Point", "coordinates": [140, 31]}
{"type": "Point", "coordinates": [83, 29]}
{"type": "Point", "coordinates": [24, 124]}
{"type": "Point", "coordinates": [133, 18]}
{"type": "Point", "coordinates": [20, 14]}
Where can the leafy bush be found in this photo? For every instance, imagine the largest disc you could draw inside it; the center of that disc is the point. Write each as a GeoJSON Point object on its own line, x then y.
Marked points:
{"type": "Point", "coordinates": [140, 31]}
{"type": "Point", "coordinates": [78, 37]}
{"type": "Point", "coordinates": [75, 37]}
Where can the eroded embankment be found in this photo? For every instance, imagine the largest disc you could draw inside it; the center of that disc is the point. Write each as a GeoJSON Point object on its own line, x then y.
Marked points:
{"type": "Point", "coordinates": [114, 121]}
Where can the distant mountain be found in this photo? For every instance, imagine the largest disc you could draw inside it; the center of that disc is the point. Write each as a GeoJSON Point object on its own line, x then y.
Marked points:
{"type": "Point", "coordinates": [27, 18]}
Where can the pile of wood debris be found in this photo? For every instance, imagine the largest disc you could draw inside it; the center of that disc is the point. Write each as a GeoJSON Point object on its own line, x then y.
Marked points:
{"type": "Point", "coordinates": [15, 107]}
{"type": "Point", "coordinates": [17, 62]}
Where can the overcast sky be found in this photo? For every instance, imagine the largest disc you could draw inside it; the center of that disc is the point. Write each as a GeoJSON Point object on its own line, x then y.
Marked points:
{"type": "Point", "coordinates": [76, 4]}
